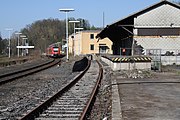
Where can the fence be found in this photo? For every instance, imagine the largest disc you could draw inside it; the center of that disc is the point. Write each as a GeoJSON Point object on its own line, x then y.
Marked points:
{"type": "Point", "coordinates": [159, 56]}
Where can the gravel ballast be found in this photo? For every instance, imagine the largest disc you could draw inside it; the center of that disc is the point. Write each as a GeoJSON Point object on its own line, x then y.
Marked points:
{"type": "Point", "coordinates": [21, 95]}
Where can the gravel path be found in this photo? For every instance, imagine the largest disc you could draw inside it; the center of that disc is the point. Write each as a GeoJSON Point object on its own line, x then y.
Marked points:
{"type": "Point", "coordinates": [24, 94]}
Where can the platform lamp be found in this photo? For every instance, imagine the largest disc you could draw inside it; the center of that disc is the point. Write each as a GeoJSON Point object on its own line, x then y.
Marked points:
{"type": "Point", "coordinates": [66, 11]}
{"type": "Point", "coordinates": [22, 36]}
{"type": "Point", "coordinates": [18, 33]}
{"type": "Point", "coordinates": [74, 21]}
{"type": "Point", "coordinates": [25, 44]}
{"type": "Point", "coordinates": [9, 29]}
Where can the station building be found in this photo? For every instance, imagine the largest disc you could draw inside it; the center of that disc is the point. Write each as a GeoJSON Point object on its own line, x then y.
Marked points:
{"type": "Point", "coordinates": [156, 27]}
{"type": "Point", "coordinates": [85, 42]}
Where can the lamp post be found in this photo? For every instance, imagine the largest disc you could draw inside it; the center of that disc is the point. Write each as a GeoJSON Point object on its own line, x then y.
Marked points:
{"type": "Point", "coordinates": [18, 41]}
{"type": "Point", "coordinates": [22, 36]}
{"type": "Point", "coordinates": [66, 11]}
{"type": "Point", "coordinates": [74, 33]}
{"type": "Point", "coordinates": [9, 29]}
{"type": "Point", "coordinates": [24, 40]}
{"type": "Point", "coordinates": [79, 28]}
{"type": "Point", "coordinates": [79, 39]}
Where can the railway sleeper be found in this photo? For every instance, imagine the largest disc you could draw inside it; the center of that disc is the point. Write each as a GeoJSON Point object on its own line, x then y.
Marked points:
{"type": "Point", "coordinates": [59, 116]}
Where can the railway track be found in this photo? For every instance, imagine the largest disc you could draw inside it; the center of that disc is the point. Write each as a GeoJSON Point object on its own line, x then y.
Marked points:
{"type": "Point", "coordinates": [8, 77]}
{"type": "Point", "coordinates": [72, 102]}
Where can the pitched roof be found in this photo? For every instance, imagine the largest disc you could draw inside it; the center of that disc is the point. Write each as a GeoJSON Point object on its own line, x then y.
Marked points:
{"type": "Point", "coordinates": [149, 9]}
{"type": "Point", "coordinates": [100, 35]}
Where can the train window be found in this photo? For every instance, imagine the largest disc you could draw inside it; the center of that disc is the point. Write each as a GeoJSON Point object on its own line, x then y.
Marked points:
{"type": "Point", "coordinates": [55, 49]}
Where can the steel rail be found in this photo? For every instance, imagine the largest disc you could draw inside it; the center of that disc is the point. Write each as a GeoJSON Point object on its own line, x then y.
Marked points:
{"type": "Point", "coordinates": [93, 94]}
{"type": "Point", "coordinates": [43, 106]}
{"type": "Point", "coordinates": [28, 71]}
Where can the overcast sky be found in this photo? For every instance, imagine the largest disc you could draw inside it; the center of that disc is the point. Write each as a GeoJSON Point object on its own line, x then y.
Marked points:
{"type": "Point", "coordinates": [17, 14]}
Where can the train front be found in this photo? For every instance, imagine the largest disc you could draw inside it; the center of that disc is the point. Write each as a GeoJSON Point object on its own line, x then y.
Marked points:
{"type": "Point", "coordinates": [55, 52]}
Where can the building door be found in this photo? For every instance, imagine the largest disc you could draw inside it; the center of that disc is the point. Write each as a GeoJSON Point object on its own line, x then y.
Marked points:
{"type": "Point", "coordinates": [103, 48]}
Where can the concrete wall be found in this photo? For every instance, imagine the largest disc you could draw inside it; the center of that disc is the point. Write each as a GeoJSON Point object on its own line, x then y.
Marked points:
{"type": "Point", "coordinates": [127, 66]}
{"type": "Point", "coordinates": [170, 60]}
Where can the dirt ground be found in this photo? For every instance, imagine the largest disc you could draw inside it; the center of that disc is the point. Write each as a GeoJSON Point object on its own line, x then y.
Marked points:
{"type": "Point", "coordinates": [152, 98]}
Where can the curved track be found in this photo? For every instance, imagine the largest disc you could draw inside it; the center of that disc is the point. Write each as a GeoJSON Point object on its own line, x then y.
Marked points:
{"type": "Point", "coordinates": [5, 78]}
{"type": "Point", "coordinates": [72, 102]}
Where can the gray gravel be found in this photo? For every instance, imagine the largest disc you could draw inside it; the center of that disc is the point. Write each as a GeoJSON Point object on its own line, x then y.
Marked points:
{"type": "Point", "coordinates": [71, 104]}
{"type": "Point", "coordinates": [102, 108]}
{"type": "Point", "coordinates": [18, 67]}
{"type": "Point", "coordinates": [19, 96]}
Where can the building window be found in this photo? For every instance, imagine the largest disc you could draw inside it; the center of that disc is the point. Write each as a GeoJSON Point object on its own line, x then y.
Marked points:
{"type": "Point", "coordinates": [91, 36]}
{"type": "Point", "coordinates": [91, 47]}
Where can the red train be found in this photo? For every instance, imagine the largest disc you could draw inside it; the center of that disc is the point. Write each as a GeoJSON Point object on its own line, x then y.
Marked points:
{"type": "Point", "coordinates": [53, 51]}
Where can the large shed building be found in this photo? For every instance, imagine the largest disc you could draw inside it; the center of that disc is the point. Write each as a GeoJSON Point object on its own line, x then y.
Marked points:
{"type": "Point", "coordinates": [155, 27]}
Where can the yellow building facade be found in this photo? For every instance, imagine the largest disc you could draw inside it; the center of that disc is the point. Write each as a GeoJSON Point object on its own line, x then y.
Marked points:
{"type": "Point", "coordinates": [85, 42]}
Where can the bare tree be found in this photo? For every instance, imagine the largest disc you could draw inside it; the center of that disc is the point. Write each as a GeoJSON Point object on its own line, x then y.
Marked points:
{"type": "Point", "coordinates": [176, 1]}
{"type": "Point", "coordinates": [45, 32]}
